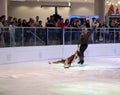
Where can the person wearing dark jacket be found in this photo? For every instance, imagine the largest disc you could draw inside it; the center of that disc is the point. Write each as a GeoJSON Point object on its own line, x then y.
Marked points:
{"type": "Point", "coordinates": [83, 43]}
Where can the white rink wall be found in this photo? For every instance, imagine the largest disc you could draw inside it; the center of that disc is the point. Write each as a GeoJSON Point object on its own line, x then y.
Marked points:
{"type": "Point", "coordinates": [96, 50]}
{"type": "Point", "coordinates": [38, 53]}
{"type": "Point", "coordinates": [32, 53]}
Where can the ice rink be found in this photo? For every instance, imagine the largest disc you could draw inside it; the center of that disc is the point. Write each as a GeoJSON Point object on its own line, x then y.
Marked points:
{"type": "Point", "coordinates": [97, 76]}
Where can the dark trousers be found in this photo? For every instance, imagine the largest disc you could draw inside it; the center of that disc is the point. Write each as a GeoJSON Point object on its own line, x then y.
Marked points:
{"type": "Point", "coordinates": [83, 47]}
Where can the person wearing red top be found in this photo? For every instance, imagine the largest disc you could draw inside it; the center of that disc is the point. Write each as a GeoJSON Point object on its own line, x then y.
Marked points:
{"type": "Point", "coordinates": [60, 23]}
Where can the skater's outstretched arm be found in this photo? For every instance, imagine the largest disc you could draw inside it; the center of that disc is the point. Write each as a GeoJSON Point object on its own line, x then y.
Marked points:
{"type": "Point", "coordinates": [93, 29]}
{"type": "Point", "coordinates": [57, 62]}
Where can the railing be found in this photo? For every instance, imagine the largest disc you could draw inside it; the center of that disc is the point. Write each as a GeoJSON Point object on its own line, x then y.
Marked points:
{"type": "Point", "coordinates": [26, 36]}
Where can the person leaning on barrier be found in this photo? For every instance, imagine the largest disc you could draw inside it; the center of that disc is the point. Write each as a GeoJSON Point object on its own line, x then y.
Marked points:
{"type": "Point", "coordinates": [1, 32]}
{"type": "Point", "coordinates": [83, 43]}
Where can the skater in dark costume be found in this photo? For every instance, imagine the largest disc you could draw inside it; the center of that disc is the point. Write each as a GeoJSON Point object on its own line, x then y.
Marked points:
{"type": "Point", "coordinates": [67, 62]}
{"type": "Point", "coordinates": [83, 43]}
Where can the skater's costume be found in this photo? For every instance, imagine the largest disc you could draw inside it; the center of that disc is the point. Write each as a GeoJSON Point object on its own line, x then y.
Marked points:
{"type": "Point", "coordinates": [67, 62]}
{"type": "Point", "coordinates": [83, 42]}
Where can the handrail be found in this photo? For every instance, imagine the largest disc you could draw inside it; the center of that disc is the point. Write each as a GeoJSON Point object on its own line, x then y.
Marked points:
{"type": "Point", "coordinates": [39, 36]}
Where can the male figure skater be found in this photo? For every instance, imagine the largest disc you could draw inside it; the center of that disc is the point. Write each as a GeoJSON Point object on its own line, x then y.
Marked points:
{"type": "Point", "coordinates": [83, 43]}
{"type": "Point", "coordinates": [67, 62]}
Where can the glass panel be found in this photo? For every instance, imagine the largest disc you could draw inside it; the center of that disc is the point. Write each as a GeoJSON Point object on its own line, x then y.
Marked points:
{"type": "Point", "coordinates": [55, 36]}
{"type": "Point", "coordinates": [18, 37]}
{"type": "Point", "coordinates": [41, 36]}
{"type": "Point", "coordinates": [27, 36]}
{"type": "Point", "coordinates": [7, 37]}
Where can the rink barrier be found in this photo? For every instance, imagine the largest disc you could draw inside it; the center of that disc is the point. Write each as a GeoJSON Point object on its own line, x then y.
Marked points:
{"type": "Point", "coordinates": [40, 53]}
{"type": "Point", "coordinates": [45, 36]}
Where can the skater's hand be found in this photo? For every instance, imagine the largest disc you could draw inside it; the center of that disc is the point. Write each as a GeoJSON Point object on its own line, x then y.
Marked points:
{"type": "Point", "coordinates": [78, 46]}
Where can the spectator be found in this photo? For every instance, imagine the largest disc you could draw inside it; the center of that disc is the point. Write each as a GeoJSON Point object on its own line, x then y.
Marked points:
{"type": "Point", "coordinates": [31, 23]}
{"type": "Point", "coordinates": [40, 24]}
{"type": "Point", "coordinates": [15, 21]}
{"type": "Point", "coordinates": [1, 32]}
{"type": "Point", "coordinates": [19, 22]}
{"type": "Point", "coordinates": [50, 24]}
{"type": "Point", "coordinates": [9, 20]}
{"type": "Point", "coordinates": [67, 24]}
{"type": "Point", "coordinates": [36, 23]}
{"type": "Point", "coordinates": [12, 33]}
{"type": "Point", "coordinates": [88, 24]}
{"type": "Point", "coordinates": [24, 23]}
{"type": "Point", "coordinates": [3, 20]}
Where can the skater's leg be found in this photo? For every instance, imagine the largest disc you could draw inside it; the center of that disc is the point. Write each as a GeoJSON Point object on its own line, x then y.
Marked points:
{"type": "Point", "coordinates": [66, 64]}
{"type": "Point", "coordinates": [81, 54]}
{"type": "Point", "coordinates": [57, 62]}
{"type": "Point", "coordinates": [81, 57]}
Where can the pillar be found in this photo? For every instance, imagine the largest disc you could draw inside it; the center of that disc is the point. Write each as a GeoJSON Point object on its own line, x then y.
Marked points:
{"type": "Point", "coordinates": [3, 7]}
{"type": "Point", "coordinates": [99, 9]}
{"type": "Point", "coordinates": [56, 12]}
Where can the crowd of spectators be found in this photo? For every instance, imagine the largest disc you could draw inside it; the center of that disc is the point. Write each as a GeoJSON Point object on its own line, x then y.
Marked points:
{"type": "Point", "coordinates": [52, 21]}
{"type": "Point", "coordinates": [19, 22]}
{"type": "Point", "coordinates": [73, 22]}
{"type": "Point", "coordinates": [114, 22]}
{"type": "Point", "coordinates": [56, 20]}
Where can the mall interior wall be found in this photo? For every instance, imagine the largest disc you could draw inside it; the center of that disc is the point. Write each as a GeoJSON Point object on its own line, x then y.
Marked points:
{"type": "Point", "coordinates": [82, 9]}
{"type": "Point", "coordinates": [3, 7]}
{"type": "Point", "coordinates": [29, 9]}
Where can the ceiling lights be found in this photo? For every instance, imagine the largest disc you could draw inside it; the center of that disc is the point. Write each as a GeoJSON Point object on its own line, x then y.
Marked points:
{"type": "Point", "coordinates": [17, 0]}
{"type": "Point", "coordinates": [113, 2]}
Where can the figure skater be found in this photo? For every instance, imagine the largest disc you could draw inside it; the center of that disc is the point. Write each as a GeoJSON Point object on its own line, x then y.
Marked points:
{"type": "Point", "coordinates": [83, 43]}
{"type": "Point", "coordinates": [67, 62]}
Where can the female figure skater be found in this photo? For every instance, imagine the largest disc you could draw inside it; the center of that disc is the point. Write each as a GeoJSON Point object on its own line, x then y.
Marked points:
{"type": "Point", "coordinates": [67, 62]}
